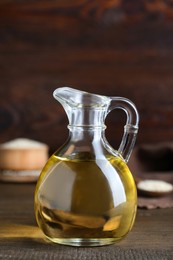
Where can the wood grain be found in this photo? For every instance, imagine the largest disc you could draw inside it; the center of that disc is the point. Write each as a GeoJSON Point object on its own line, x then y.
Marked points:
{"type": "Point", "coordinates": [118, 48]}
{"type": "Point", "coordinates": [20, 238]}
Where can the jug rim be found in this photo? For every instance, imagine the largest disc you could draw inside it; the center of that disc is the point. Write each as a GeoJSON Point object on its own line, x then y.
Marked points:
{"type": "Point", "coordinates": [80, 99]}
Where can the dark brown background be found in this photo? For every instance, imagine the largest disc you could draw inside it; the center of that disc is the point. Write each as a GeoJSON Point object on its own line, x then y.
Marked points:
{"type": "Point", "coordinates": [111, 47]}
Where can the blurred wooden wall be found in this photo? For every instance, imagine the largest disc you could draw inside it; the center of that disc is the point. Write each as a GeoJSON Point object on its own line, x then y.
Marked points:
{"type": "Point", "coordinates": [110, 47]}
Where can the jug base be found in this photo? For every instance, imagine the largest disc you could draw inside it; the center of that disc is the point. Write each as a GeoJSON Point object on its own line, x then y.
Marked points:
{"type": "Point", "coordinates": [82, 242]}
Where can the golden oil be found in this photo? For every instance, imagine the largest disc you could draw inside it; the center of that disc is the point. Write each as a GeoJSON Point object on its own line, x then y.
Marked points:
{"type": "Point", "coordinates": [85, 201]}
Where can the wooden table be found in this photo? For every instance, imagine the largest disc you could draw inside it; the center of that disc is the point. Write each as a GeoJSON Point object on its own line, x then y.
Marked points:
{"type": "Point", "coordinates": [20, 238]}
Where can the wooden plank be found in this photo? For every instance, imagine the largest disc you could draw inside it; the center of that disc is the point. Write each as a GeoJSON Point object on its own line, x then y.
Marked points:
{"type": "Point", "coordinates": [44, 45]}
{"type": "Point", "coordinates": [151, 237]}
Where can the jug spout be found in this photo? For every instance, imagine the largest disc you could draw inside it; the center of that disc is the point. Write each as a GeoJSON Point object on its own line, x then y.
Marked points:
{"type": "Point", "coordinates": [83, 108]}
{"type": "Point", "coordinates": [76, 98]}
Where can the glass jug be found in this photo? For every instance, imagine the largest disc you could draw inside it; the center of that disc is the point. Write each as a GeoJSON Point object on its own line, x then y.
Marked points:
{"type": "Point", "coordinates": [86, 195]}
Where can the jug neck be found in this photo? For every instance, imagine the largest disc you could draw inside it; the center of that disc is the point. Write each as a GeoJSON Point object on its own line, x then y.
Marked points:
{"type": "Point", "coordinates": [87, 118]}
{"type": "Point", "coordinates": [86, 134]}
{"type": "Point", "coordinates": [88, 142]}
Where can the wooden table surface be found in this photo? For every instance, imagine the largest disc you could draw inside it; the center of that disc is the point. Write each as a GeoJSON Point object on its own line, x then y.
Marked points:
{"type": "Point", "coordinates": [20, 238]}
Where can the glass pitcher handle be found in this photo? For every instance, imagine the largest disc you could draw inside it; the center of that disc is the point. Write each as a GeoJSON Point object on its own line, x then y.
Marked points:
{"type": "Point", "coordinates": [131, 126]}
